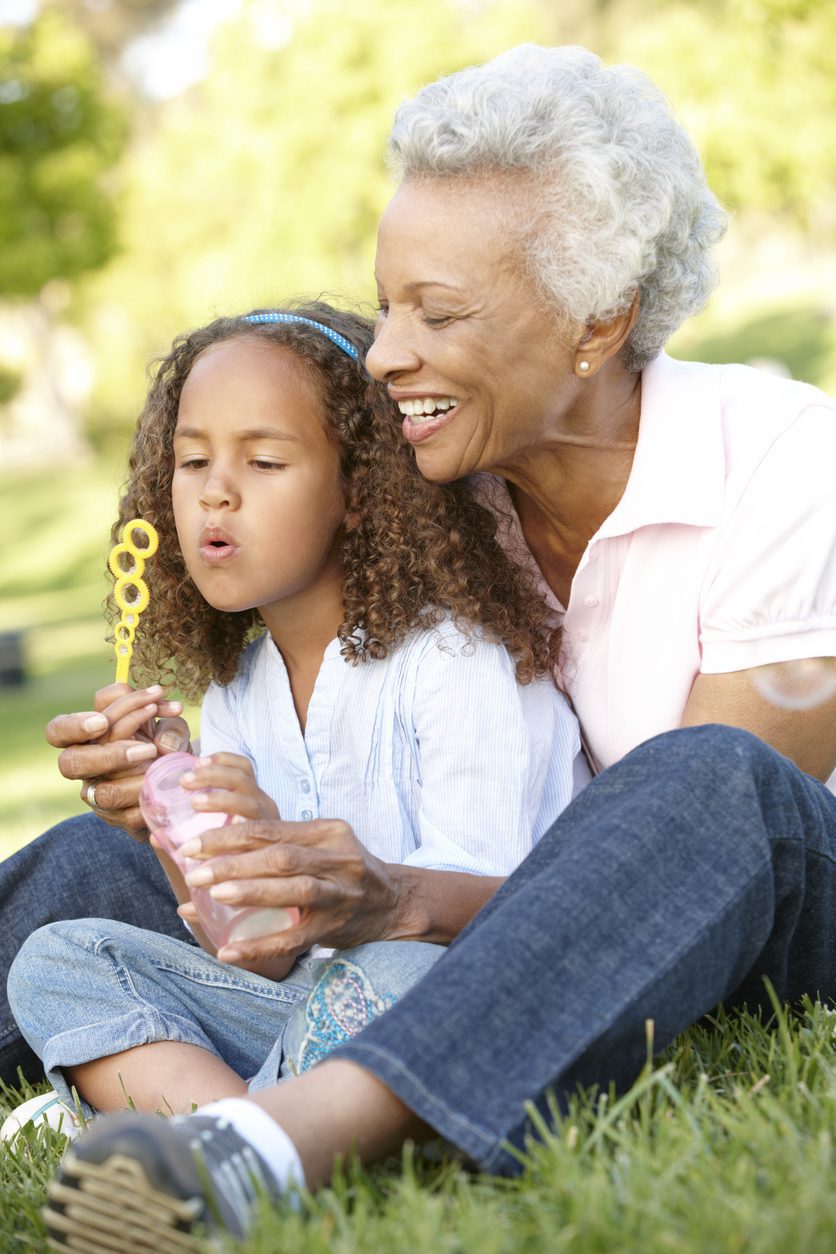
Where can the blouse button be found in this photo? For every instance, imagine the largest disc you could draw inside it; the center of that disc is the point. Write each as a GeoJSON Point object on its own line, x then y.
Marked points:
{"type": "Point", "coordinates": [582, 635]}
{"type": "Point", "coordinates": [307, 814]}
{"type": "Point", "coordinates": [305, 785]}
{"type": "Point", "coordinates": [591, 602]}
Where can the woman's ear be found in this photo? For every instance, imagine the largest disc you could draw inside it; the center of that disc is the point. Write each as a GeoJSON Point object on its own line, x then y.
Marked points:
{"type": "Point", "coordinates": [602, 340]}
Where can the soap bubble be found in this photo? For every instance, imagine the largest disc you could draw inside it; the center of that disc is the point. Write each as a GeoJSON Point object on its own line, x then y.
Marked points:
{"type": "Point", "coordinates": [797, 685]}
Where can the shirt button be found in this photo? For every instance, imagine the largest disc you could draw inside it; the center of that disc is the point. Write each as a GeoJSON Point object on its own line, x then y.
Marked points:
{"type": "Point", "coordinates": [593, 556]}
{"type": "Point", "coordinates": [307, 814]}
{"type": "Point", "coordinates": [305, 786]}
{"type": "Point", "coordinates": [591, 602]}
{"type": "Point", "coordinates": [582, 635]}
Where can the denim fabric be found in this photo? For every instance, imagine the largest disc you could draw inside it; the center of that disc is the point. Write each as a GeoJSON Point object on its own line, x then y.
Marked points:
{"type": "Point", "coordinates": [77, 869]}
{"type": "Point", "coordinates": [681, 877]}
{"type": "Point", "coordinates": [88, 988]}
{"type": "Point", "coordinates": [349, 990]}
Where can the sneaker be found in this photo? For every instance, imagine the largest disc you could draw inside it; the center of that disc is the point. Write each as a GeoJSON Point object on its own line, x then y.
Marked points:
{"type": "Point", "coordinates": [46, 1108]}
{"type": "Point", "coordinates": [135, 1183]}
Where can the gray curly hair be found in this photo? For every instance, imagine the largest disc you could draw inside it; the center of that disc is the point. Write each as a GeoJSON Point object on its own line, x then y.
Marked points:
{"type": "Point", "coordinates": [622, 205]}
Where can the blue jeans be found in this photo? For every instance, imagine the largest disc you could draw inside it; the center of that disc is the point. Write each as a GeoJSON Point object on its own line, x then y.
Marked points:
{"type": "Point", "coordinates": [88, 988]}
{"type": "Point", "coordinates": [684, 875]}
{"type": "Point", "coordinates": [80, 867]}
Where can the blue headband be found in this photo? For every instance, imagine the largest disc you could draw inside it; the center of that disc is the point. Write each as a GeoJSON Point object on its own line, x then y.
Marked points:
{"type": "Point", "coordinates": [340, 340]}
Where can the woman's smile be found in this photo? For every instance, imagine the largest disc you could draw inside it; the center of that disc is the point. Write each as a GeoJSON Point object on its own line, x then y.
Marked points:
{"type": "Point", "coordinates": [424, 415]}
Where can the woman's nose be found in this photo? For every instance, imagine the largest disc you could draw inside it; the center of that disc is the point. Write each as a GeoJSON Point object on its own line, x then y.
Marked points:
{"type": "Point", "coordinates": [392, 352]}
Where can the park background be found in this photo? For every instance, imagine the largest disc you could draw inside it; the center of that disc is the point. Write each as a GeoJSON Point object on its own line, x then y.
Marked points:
{"type": "Point", "coordinates": [163, 161]}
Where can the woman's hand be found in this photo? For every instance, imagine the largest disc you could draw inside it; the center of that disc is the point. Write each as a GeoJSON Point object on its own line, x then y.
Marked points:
{"type": "Point", "coordinates": [109, 748]}
{"type": "Point", "coordinates": [345, 895]}
{"type": "Point", "coordinates": [232, 780]}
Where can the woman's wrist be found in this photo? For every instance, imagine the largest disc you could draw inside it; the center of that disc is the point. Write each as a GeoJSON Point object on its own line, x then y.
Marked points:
{"type": "Point", "coordinates": [433, 905]}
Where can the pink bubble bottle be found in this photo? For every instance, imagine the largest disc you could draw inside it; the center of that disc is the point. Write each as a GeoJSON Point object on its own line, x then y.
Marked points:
{"type": "Point", "coordinates": [167, 809]}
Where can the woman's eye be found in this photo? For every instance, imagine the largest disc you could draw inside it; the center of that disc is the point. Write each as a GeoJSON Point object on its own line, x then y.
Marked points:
{"type": "Point", "coordinates": [440, 321]}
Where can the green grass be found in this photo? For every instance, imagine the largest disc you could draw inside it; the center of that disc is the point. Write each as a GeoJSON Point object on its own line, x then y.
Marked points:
{"type": "Point", "coordinates": [726, 1145]}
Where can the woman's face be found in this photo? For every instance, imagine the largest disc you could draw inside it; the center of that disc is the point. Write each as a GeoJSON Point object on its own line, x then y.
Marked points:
{"type": "Point", "coordinates": [479, 366]}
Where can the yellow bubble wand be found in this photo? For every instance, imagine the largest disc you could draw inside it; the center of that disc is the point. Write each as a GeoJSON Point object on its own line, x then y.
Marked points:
{"type": "Point", "coordinates": [131, 591]}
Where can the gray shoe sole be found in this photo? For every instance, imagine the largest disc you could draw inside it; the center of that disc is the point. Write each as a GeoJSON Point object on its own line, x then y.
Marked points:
{"type": "Point", "coordinates": [115, 1193]}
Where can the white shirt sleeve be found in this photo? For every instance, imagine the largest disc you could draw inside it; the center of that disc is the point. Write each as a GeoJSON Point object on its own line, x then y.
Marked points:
{"type": "Point", "coordinates": [770, 594]}
{"type": "Point", "coordinates": [495, 758]}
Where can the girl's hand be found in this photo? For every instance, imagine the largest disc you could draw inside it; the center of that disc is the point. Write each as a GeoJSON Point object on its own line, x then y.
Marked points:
{"type": "Point", "coordinates": [111, 746]}
{"type": "Point", "coordinates": [346, 895]}
{"type": "Point", "coordinates": [234, 790]}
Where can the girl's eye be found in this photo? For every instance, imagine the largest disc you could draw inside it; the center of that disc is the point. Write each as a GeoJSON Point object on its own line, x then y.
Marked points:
{"type": "Point", "coordinates": [261, 463]}
{"type": "Point", "coordinates": [194, 463]}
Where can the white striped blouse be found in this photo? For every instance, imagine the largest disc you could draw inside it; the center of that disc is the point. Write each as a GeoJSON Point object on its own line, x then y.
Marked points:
{"type": "Point", "coordinates": [435, 755]}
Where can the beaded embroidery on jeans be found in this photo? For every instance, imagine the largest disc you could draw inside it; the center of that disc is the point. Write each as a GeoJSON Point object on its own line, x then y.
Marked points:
{"type": "Point", "coordinates": [342, 1003]}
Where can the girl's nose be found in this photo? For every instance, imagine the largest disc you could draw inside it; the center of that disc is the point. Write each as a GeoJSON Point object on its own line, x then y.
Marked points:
{"type": "Point", "coordinates": [392, 352]}
{"type": "Point", "coordinates": [219, 492]}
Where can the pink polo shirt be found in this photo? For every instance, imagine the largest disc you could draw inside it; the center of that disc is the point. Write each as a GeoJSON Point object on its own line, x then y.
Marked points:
{"type": "Point", "coordinates": [721, 554]}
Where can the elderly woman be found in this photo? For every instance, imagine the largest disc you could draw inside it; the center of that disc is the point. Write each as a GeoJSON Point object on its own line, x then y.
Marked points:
{"type": "Point", "coordinates": [550, 231]}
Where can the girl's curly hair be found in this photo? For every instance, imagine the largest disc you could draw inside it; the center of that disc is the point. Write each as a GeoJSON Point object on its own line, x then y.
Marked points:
{"type": "Point", "coordinates": [418, 551]}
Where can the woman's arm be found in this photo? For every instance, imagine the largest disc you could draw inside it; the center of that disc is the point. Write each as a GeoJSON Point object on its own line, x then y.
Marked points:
{"type": "Point", "coordinates": [806, 735]}
{"type": "Point", "coordinates": [345, 894]}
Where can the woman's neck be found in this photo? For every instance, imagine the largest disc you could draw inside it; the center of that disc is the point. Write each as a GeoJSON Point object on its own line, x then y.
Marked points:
{"type": "Point", "coordinates": [564, 487]}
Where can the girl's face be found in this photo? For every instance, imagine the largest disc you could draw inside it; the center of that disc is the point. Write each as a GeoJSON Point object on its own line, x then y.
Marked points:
{"type": "Point", "coordinates": [256, 489]}
{"type": "Point", "coordinates": [479, 366]}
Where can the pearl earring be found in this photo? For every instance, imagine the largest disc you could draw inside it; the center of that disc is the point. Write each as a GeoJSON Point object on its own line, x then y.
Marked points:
{"type": "Point", "coordinates": [583, 366]}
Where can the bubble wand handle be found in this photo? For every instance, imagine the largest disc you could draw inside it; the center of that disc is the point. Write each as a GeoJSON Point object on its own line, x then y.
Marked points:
{"type": "Point", "coordinates": [131, 591]}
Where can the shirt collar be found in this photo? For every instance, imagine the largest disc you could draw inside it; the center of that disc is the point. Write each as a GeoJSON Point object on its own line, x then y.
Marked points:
{"type": "Point", "coordinates": [678, 473]}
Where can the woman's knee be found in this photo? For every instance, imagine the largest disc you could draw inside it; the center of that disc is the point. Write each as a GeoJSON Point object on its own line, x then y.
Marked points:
{"type": "Point", "coordinates": [709, 745]}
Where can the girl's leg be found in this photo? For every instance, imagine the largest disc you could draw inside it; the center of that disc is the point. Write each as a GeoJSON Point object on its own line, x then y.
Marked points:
{"type": "Point", "coordinates": [349, 990]}
{"type": "Point", "coordinates": [165, 1022]}
{"type": "Point", "coordinates": [168, 1076]}
{"type": "Point", "coordinates": [79, 868]}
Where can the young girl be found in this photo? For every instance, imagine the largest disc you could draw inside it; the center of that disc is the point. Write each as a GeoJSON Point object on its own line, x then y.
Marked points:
{"type": "Point", "coordinates": [371, 656]}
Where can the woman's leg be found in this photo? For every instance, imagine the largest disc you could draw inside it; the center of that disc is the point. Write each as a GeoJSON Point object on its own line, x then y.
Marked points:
{"type": "Point", "coordinates": [128, 1014]}
{"type": "Point", "coordinates": [700, 865]}
{"type": "Point", "coordinates": [697, 866]}
{"type": "Point", "coordinates": [79, 868]}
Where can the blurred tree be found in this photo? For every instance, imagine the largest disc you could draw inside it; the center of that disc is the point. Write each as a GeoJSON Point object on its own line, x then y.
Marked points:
{"type": "Point", "coordinates": [60, 136]}
{"type": "Point", "coordinates": [267, 179]}
{"type": "Point", "coordinates": [112, 24]}
{"type": "Point", "coordinates": [755, 84]}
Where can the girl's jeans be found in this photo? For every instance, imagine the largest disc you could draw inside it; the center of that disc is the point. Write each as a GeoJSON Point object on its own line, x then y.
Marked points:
{"type": "Point", "coordinates": [681, 877]}
{"type": "Point", "coordinates": [78, 868]}
{"type": "Point", "coordinates": [89, 988]}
